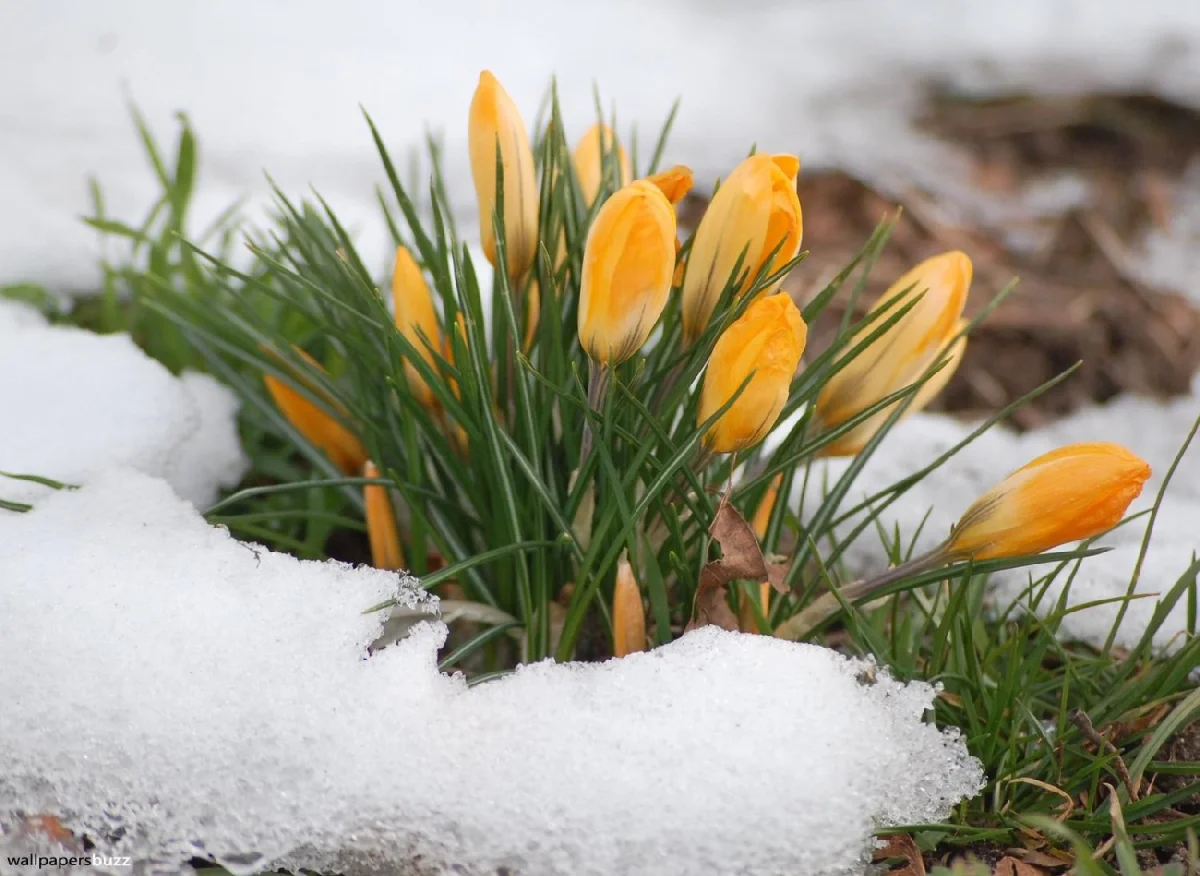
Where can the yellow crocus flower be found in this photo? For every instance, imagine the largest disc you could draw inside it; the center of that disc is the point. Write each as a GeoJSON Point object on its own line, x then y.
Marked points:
{"type": "Point", "coordinates": [899, 356]}
{"type": "Point", "coordinates": [591, 150]}
{"type": "Point", "coordinates": [1068, 494]}
{"type": "Point", "coordinates": [415, 315]}
{"type": "Point", "coordinates": [381, 523]}
{"type": "Point", "coordinates": [495, 123]}
{"type": "Point", "coordinates": [338, 443]}
{"type": "Point", "coordinates": [628, 261]}
{"type": "Point", "coordinates": [766, 341]}
{"type": "Point", "coordinates": [755, 210]}
{"type": "Point", "coordinates": [628, 613]}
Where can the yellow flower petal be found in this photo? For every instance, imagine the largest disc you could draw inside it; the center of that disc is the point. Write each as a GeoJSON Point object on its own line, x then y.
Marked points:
{"type": "Point", "coordinates": [674, 182]}
{"type": "Point", "coordinates": [338, 443]}
{"type": "Point", "coordinates": [766, 341]}
{"type": "Point", "coordinates": [415, 315]}
{"type": "Point", "coordinates": [495, 123]}
{"type": "Point", "coordinates": [628, 613]}
{"type": "Point", "coordinates": [628, 261]}
{"type": "Point", "coordinates": [1071, 493]}
{"type": "Point", "coordinates": [756, 211]}
{"type": "Point", "coordinates": [899, 356]}
{"type": "Point", "coordinates": [381, 523]}
{"type": "Point", "coordinates": [590, 153]}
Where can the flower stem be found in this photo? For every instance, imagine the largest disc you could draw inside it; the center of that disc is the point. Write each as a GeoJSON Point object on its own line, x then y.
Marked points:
{"type": "Point", "coordinates": [597, 387]}
{"type": "Point", "coordinates": [827, 604]}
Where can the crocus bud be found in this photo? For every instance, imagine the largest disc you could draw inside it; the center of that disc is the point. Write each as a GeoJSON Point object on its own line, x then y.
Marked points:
{"type": "Point", "coordinates": [381, 523]}
{"type": "Point", "coordinates": [496, 123]}
{"type": "Point", "coordinates": [591, 152]}
{"type": "Point", "coordinates": [674, 182]}
{"type": "Point", "coordinates": [904, 352]}
{"type": "Point", "coordinates": [338, 443]}
{"type": "Point", "coordinates": [628, 614]}
{"type": "Point", "coordinates": [1068, 494]}
{"type": "Point", "coordinates": [628, 261]}
{"type": "Point", "coordinates": [413, 304]}
{"type": "Point", "coordinates": [755, 210]}
{"type": "Point", "coordinates": [766, 341]}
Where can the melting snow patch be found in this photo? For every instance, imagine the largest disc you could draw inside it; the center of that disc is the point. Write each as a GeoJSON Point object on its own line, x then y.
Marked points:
{"type": "Point", "coordinates": [210, 697]}
{"type": "Point", "coordinates": [79, 403]}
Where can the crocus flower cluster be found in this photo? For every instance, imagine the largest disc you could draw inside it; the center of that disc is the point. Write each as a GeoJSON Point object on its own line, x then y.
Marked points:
{"type": "Point", "coordinates": [727, 282]}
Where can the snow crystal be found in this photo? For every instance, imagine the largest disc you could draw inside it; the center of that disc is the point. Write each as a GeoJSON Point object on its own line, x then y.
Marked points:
{"type": "Point", "coordinates": [81, 402]}
{"type": "Point", "coordinates": [211, 697]}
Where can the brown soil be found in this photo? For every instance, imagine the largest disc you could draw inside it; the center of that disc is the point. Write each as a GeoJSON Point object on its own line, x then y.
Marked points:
{"type": "Point", "coordinates": [1077, 299]}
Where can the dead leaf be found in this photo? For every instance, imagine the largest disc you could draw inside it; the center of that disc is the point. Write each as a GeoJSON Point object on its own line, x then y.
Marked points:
{"type": "Point", "coordinates": [741, 555]}
{"type": "Point", "coordinates": [1009, 866]}
{"type": "Point", "coordinates": [901, 845]}
{"type": "Point", "coordinates": [712, 608]}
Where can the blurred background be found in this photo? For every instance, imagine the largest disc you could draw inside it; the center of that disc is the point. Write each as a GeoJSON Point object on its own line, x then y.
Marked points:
{"type": "Point", "coordinates": [1054, 140]}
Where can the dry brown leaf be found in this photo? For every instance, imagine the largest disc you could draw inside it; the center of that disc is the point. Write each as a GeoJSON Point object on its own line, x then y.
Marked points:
{"type": "Point", "coordinates": [741, 555]}
{"type": "Point", "coordinates": [711, 605]}
{"type": "Point", "coordinates": [1009, 866]}
{"type": "Point", "coordinates": [776, 572]}
{"type": "Point", "coordinates": [901, 845]}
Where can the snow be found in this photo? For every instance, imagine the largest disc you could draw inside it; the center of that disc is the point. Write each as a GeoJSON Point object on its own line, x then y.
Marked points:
{"type": "Point", "coordinates": [1153, 429]}
{"type": "Point", "coordinates": [81, 403]}
{"type": "Point", "coordinates": [835, 83]}
{"type": "Point", "coordinates": [209, 696]}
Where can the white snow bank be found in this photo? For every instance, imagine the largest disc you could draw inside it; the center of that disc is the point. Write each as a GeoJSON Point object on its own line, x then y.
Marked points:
{"type": "Point", "coordinates": [75, 403]}
{"type": "Point", "coordinates": [835, 82]}
{"type": "Point", "coordinates": [1153, 429]}
{"type": "Point", "coordinates": [211, 697]}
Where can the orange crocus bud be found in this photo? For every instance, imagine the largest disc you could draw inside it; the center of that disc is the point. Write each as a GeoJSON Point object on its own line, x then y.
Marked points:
{"type": "Point", "coordinates": [627, 266]}
{"type": "Point", "coordinates": [899, 356]}
{"type": "Point", "coordinates": [495, 123]}
{"type": "Point", "coordinates": [594, 149]}
{"type": "Point", "coordinates": [1071, 493]}
{"type": "Point", "coordinates": [381, 523]}
{"type": "Point", "coordinates": [766, 342]}
{"type": "Point", "coordinates": [756, 210]}
{"type": "Point", "coordinates": [674, 182]}
{"type": "Point", "coordinates": [342, 446]}
{"type": "Point", "coordinates": [629, 616]}
{"type": "Point", "coordinates": [415, 316]}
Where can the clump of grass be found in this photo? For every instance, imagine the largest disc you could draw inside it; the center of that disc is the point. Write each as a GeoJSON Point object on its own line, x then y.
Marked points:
{"type": "Point", "coordinates": [529, 476]}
